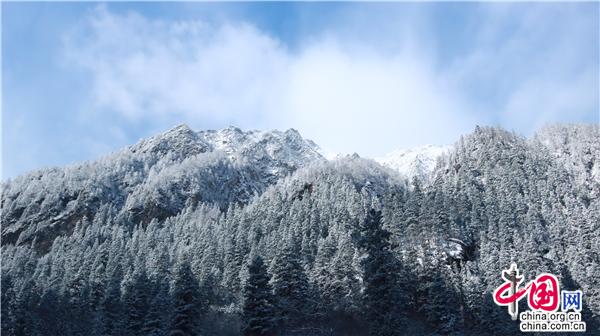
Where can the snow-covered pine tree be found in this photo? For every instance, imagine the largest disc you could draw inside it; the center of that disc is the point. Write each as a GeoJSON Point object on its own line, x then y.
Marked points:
{"type": "Point", "coordinates": [186, 296]}
{"type": "Point", "coordinates": [258, 310]}
{"type": "Point", "coordinates": [290, 286]}
{"type": "Point", "coordinates": [159, 304]}
{"type": "Point", "coordinates": [111, 309]}
{"type": "Point", "coordinates": [380, 297]}
{"type": "Point", "coordinates": [135, 301]}
{"type": "Point", "coordinates": [7, 304]}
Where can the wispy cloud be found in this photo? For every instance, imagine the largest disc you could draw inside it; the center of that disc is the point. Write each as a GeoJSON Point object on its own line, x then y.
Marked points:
{"type": "Point", "coordinates": [146, 69]}
{"type": "Point", "coordinates": [519, 69]}
{"type": "Point", "coordinates": [534, 66]}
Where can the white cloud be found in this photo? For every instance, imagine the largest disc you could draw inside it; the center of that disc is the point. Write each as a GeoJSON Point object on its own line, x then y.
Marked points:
{"type": "Point", "coordinates": [342, 94]}
{"type": "Point", "coordinates": [533, 70]}
{"type": "Point", "coordinates": [371, 104]}
{"type": "Point", "coordinates": [177, 70]}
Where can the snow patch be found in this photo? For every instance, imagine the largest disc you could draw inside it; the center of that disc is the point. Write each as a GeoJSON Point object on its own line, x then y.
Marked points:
{"type": "Point", "coordinates": [416, 162]}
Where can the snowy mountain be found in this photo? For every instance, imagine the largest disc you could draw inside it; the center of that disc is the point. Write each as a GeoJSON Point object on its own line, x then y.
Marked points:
{"type": "Point", "coordinates": [153, 179]}
{"type": "Point", "coordinates": [416, 162]}
{"type": "Point", "coordinates": [211, 231]}
{"type": "Point", "coordinates": [282, 152]}
{"type": "Point", "coordinates": [275, 149]}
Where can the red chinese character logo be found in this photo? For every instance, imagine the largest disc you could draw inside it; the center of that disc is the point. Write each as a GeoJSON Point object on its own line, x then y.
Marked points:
{"type": "Point", "coordinates": [543, 294]}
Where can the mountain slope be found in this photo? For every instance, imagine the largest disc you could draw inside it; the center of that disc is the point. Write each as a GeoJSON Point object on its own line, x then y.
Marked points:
{"type": "Point", "coordinates": [154, 178]}
{"type": "Point", "coordinates": [204, 204]}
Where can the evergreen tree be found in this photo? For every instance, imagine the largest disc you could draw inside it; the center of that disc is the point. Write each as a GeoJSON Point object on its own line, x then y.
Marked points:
{"type": "Point", "coordinates": [258, 311]}
{"type": "Point", "coordinates": [135, 301]}
{"type": "Point", "coordinates": [8, 304]}
{"type": "Point", "coordinates": [51, 314]}
{"type": "Point", "coordinates": [111, 309]}
{"type": "Point", "coordinates": [290, 286]}
{"type": "Point", "coordinates": [186, 296]}
{"type": "Point", "coordinates": [25, 321]}
{"type": "Point", "coordinates": [154, 321]}
{"type": "Point", "coordinates": [96, 281]}
{"type": "Point", "coordinates": [381, 297]}
{"type": "Point", "coordinates": [323, 274]}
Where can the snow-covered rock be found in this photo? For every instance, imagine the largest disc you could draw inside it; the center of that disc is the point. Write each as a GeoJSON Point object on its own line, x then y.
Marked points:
{"type": "Point", "coordinates": [287, 147]}
{"type": "Point", "coordinates": [278, 149]}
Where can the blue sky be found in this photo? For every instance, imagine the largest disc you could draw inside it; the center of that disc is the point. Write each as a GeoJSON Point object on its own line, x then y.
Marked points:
{"type": "Point", "coordinates": [83, 79]}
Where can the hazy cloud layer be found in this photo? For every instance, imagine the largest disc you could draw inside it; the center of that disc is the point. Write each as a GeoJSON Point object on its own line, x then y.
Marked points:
{"type": "Point", "coordinates": [344, 94]}
{"type": "Point", "coordinates": [366, 78]}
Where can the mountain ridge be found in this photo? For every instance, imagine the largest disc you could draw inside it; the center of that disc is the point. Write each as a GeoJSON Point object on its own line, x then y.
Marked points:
{"type": "Point", "coordinates": [155, 165]}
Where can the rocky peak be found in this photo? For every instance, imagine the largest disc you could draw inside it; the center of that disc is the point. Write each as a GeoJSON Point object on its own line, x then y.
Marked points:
{"type": "Point", "coordinates": [181, 140]}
